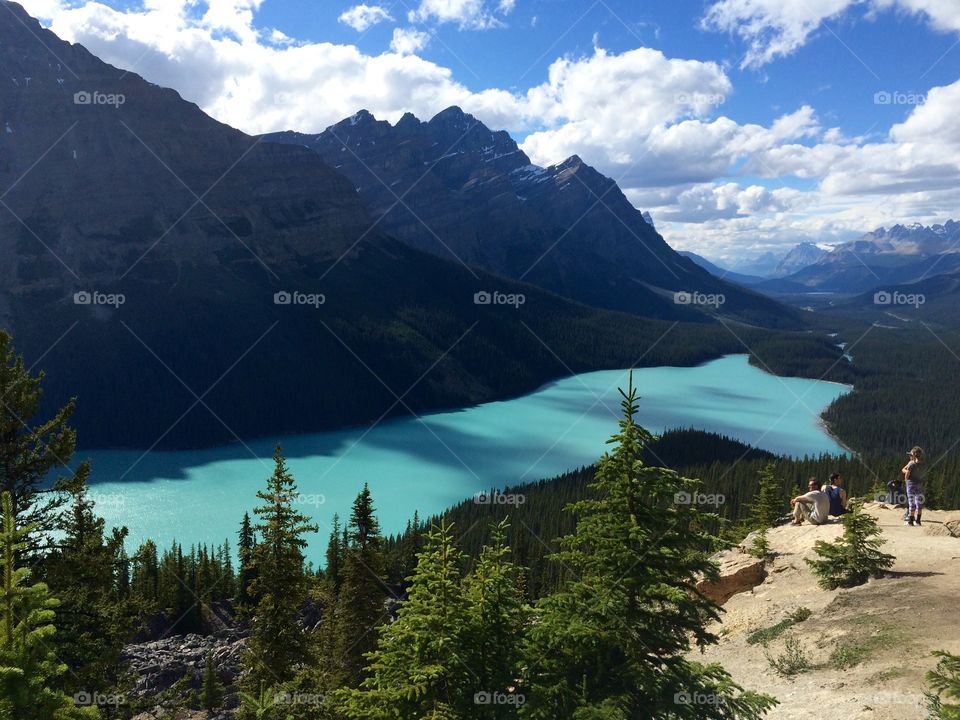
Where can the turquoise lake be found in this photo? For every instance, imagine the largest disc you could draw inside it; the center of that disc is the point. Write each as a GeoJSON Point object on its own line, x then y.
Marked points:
{"type": "Point", "coordinates": [432, 462]}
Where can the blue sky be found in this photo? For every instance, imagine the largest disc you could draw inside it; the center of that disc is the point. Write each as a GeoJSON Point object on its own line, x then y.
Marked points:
{"type": "Point", "coordinates": [742, 125]}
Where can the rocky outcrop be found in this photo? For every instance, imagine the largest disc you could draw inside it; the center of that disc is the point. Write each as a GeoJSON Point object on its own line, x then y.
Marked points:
{"type": "Point", "coordinates": [168, 670]}
{"type": "Point", "coordinates": [739, 572]}
{"type": "Point", "coordinates": [950, 526]}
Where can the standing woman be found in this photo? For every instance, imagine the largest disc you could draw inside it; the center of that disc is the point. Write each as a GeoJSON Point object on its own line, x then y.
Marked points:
{"type": "Point", "coordinates": [913, 472]}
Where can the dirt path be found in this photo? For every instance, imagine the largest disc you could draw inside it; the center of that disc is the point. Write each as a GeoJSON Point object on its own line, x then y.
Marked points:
{"type": "Point", "coordinates": [869, 646]}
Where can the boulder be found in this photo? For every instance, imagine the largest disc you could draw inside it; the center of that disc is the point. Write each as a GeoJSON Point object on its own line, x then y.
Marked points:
{"type": "Point", "coordinates": [739, 572]}
{"type": "Point", "coordinates": [948, 528]}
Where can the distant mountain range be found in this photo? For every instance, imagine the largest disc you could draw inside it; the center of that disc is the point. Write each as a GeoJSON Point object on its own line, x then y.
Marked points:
{"type": "Point", "coordinates": [195, 285]}
{"type": "Point", "coordinates": [897, 256]}
{"type": "Point", "coordinates": [901, 255]}
{"type": "Point", "coordinates": [714, 269]}
{"type": "Point", "coordinates": [799, 257]}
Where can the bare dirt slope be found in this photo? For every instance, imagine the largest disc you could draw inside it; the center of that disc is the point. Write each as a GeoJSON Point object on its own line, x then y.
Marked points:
{"type": "Point", "coordinates": [868, 646]}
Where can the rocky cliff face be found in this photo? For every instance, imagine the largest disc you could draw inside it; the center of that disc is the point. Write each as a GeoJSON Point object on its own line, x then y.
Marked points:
{"type": "Point", "coordinates": [458, 189]}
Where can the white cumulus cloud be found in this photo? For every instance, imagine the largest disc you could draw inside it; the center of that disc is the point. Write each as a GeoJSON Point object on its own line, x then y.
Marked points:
{"type": "Point", "coordinates": [362, 17]}
{"type": "Point", "coordinates": [467, 14]}
{"type": "Point", "coordinates": [776, 28]}
{"type": "Point", "coordinates": [407, 41]}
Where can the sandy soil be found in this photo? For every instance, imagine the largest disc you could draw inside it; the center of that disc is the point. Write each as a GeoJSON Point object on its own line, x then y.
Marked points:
{"type": "Point", "coordinates": [888, 627]}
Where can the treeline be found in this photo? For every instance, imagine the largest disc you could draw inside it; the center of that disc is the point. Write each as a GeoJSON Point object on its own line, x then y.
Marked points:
{"type": "Point", "coordinates": [906, 393]}
{"type": "Point", "coordinates": [729, 470]}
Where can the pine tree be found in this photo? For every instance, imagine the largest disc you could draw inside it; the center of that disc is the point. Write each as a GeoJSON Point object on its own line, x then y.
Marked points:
{"type": "Point", "coordinates": [277, 643]}
{"type": "Point", "coordinates": [247, 573]}
{"type": "Point", "coordinates": [334, 555]}
{"type": "Point", "coordinates": [765, 510]}
{"type": "Point", "coordinates": [227, 583]}
{"type": "Point", "coordinates": [497, 621]}
{"type": "Point", "coordinates": [145, 578]}
{"type": "Point", "coordinates": [94, 621]}
{"type": "Point", "coordinates": [768, 504]}
{"type": "Point", "coordinates": [416, 671]}
{"type": "Point", "coordinates": [944, 680]}
{"type": "Point", "coordinates": [855, 556]}
{"type": "Point", "coordinates": [360, 604]}
{"type": "Point", "coordinates": [612, 643]}
{"type": "Point", "coordinates": [30, 673]}
{"type": "Point", "coordinates": [31, 453]}
{"type": "Point", "coordinates": [211, 693]}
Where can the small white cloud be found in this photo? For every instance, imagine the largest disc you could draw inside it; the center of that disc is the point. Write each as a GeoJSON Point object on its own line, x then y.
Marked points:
{"type": "Point", "coordinates": [409, 41]}
{"type": "Point", "coordinates": [468, 14]}
{"type": "Point", "coordinates": [280, 38]}
{"type": "Point", "coordinates": [361, 17]}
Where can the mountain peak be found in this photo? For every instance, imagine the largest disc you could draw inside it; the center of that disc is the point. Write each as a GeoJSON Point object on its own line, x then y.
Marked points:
{"type": "Point", "coordinates": [362, 116]}
{"type": "Point", "coordinates": [409, 120]}
{"type": "Point", "coordinates": [573, 162]}
{"type": "Point", "coordinates": [453, 116]}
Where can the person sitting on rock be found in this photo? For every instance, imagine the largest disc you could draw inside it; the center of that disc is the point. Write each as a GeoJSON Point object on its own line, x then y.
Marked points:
{"type": "Point", "coordinates": [813, 506]}
{"type": "Point", "coordinates": [839, 503]}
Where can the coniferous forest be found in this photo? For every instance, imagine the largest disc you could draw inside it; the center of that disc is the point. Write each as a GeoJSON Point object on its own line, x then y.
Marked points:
{"type": "Point", "coordinates": [537, 609]}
